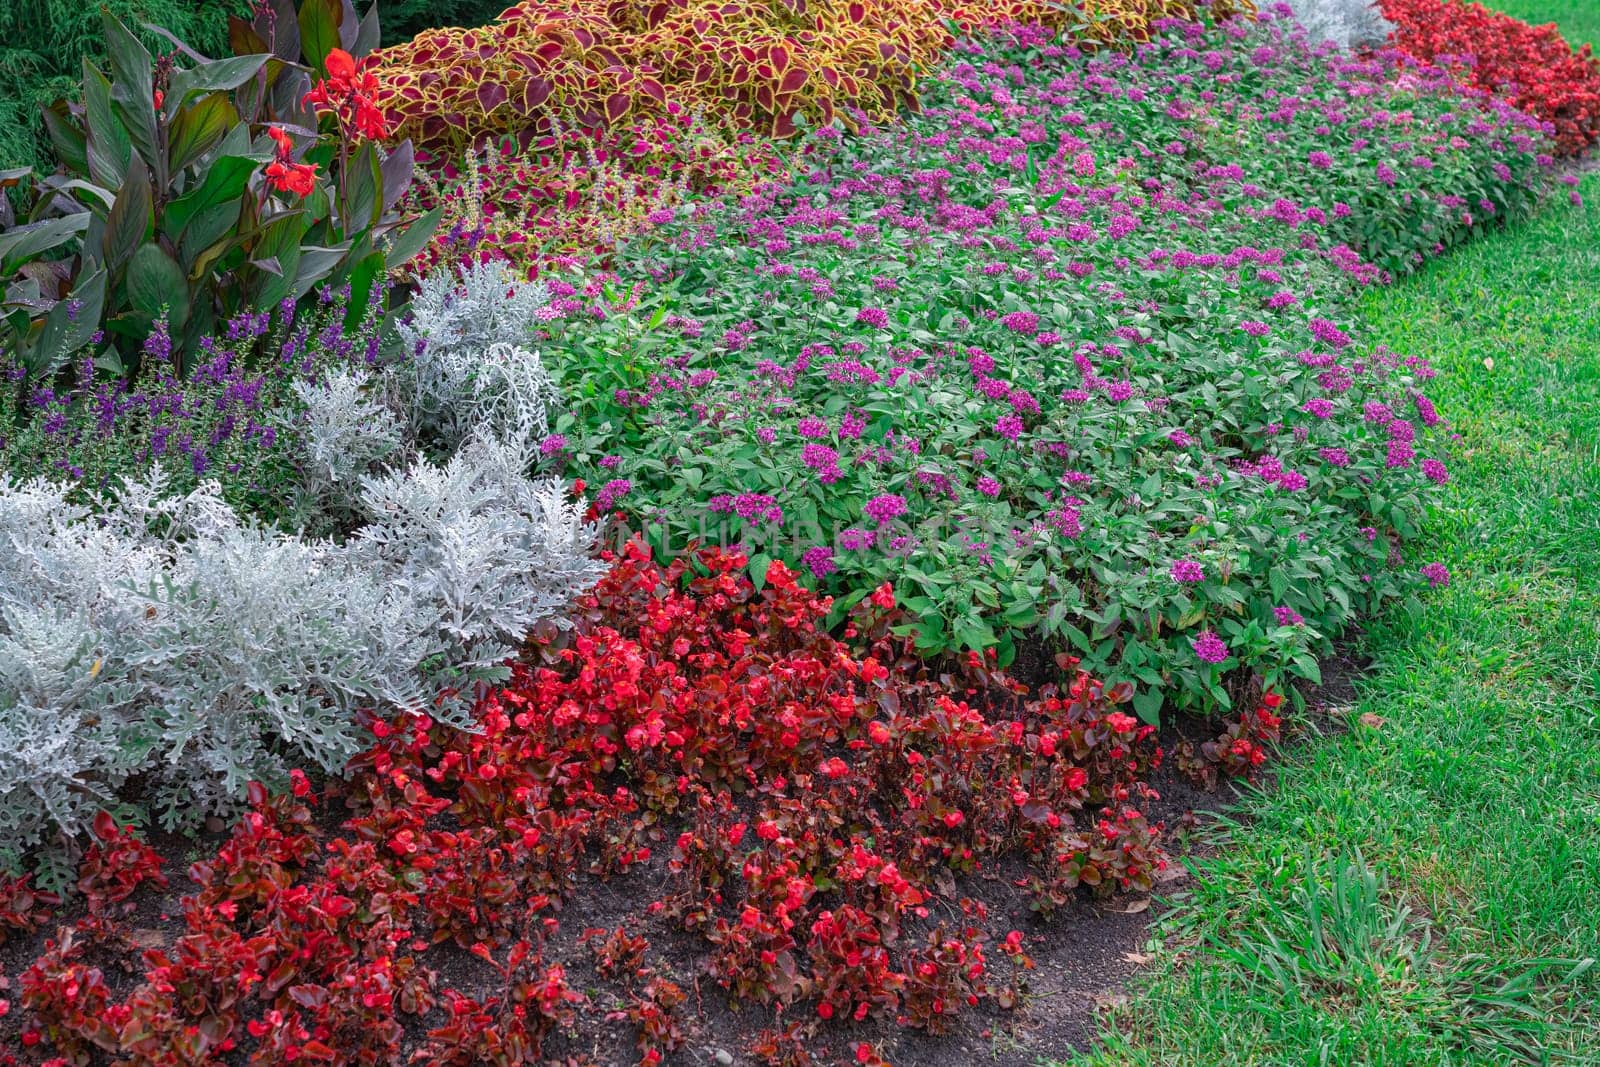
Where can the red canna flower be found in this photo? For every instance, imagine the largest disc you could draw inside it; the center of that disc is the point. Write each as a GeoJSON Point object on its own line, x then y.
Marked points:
{"type": "Point", "coordinates": [285, 175]}
{"type": "Point", "coordinates": [348, 94]}
{"type": "Point", "coordinates": [341, 67]}
{"type": "Point", "coordinates": [297, 178]}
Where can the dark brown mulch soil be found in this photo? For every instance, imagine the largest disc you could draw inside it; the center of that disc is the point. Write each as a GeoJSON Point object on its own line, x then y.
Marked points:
{"type": "Point", "coordinates": [1084, 954]}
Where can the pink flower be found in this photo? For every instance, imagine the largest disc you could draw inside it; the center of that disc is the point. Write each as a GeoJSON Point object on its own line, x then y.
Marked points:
{"type": "Point", "coordinates": [820, 560]}
{"type": "Point", "coordinates": [1187, 571]}
{"type": "Point", "coordinates": [1209, 647]}
{"type": "Point", "coordinates": [1024, 322]}
{"type": "Point", "coordinates": [884, 507]}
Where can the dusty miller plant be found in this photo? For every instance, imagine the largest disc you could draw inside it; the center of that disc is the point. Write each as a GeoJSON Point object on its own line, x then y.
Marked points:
{"type": "Point", "coordinates": [466, 363]}
{"type": "Point", "coordinates": [1347, 23]}
{"type": "Point", "coordinates": [169, 641]}
{"type": "Point", "coordinates": [175, 641]}
{"type": "Point", "coordinates": [172, 641]}
{"type": "Point", "coordinates": [347, 432]}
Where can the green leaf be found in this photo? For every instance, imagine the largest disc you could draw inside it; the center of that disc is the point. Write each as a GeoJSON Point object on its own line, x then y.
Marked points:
{"type": "Point", "coordinates": [110, 361]}
{"type": "Point", "coordinates": [368, 271]}
{"type": "Point", "coordinates": [319, 31]}
{"type": "Point", "coordinates": [364, 190]}
{"type": "Point", "coordinates": [219, 75]}
{"type": "Point", "coordinates": [107, 146]}
{"type": "Point", "coordinates": [238, 143]}
{"type": "Point", "coordinates": [25, 242]}
{"type": "Point", "coordinates": [128, 225]}
{"type": "Point", "coordinates": [414, 238]}
{"type": "Point", "coordinates": [71, 146]}
{"type": "Point", "coordinates": [69, 325]}
{"type": "Point", "coordinates": [106, 197]}
{"type": "Point", "coordinates": [974, 633]}
{"type": "Point", "coordinates": [199, 129]}
{"type": "Point", "coordinates": [155, 280]}
{"type": "Point", "coordinates": [209, 210]}
{"type": "Point", "coordinates": [759, 565]}
{"type": "Point", "coordinates": [132, 90]}
{"type": "Point", "coordinates": [1008, 651]}
{"type": "Point", "coordinates": [243, 38]}
{"type": "Point", "coordinates": [279, 241]}
{"type": "Point", "coordinates": [316, 263]}
{"type": "Point", "coordinates": [1306, 666]}
{"type": "Point", "coordinates": [1147, 703]}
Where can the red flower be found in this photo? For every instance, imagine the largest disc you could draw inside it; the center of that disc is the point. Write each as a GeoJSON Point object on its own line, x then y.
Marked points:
{"type": "Point", "coordinates": [348, 93]}
{"type": "Point", "coordinates": [297, 178]}
{"type": "Point", "coordinates": [341, 67]}
{"type": "Point", "coordinates": [1121, 723]}
{"type": "Point", "coordinates": [370, 121]}
{"type": "Point", "coordinates": [1532, 66]}
{"type": "Point", "coordinates": [285, 175]}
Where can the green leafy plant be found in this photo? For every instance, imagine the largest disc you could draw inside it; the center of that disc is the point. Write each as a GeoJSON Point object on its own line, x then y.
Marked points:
{"type": "Point", "coordinates": [200, 190]}
{"type": "Point", "coordinates": [43, 44]}
{"type": "Point", "coordinates": [1059, 363]}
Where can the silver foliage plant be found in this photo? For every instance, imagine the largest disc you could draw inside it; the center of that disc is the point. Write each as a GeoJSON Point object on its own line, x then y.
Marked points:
{"type": "Point", "coordinates": [467, 362]}
{"type": "Point", "coordinates": [171, 640]}
{"type": "Point", "coordinates": [347, 432]}
{"type": "Point", "coordinates": [1347, 23]}
{"type": "Point", "coordinates": [176, 641]}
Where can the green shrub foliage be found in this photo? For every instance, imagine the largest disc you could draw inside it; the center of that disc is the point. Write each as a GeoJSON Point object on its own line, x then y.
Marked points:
{"type": "Point", "coordinates": [43, 44]}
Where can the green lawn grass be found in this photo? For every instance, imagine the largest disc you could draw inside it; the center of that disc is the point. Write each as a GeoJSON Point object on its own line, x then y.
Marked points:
{"type": "Point", "coordinates": [1579, 19]}
{"type": "Point", "coordinates": [1414, 889]}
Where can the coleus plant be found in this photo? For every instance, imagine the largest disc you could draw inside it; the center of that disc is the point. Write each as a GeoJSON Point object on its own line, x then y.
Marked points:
{"type": "Point", "coordinates": [196, 190]}
{"type": "Point", "coordinates": [773, 66]}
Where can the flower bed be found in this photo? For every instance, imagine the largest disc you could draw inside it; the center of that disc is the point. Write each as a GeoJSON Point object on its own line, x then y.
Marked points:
{"type": "Point", "coordinates": [578, 152]}
{"type": "Point", "coordinates": [1039, 360]}
{"type": "Point", "coordinates": [1061, 356]}
{"type": "Point", "coordinates": [1057, 366]}
{"type": "Point", "coordinates": [1532, 66]}
{"type": "Point", "coordinates": [767, 65]}
{"type": "Point", "coordinates": [802, 814]}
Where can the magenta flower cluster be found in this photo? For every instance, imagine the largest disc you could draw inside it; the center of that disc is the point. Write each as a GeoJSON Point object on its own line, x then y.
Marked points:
{"type": "Point", "coordinates": [1074, 341]}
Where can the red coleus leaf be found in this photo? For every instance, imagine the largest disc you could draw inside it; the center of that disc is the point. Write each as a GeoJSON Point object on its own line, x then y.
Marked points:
{"type": "Point", "coordinates": [491, 95]}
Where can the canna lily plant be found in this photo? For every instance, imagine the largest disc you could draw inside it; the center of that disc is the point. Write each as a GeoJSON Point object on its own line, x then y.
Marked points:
{"type": "Point", "coordinates": [194, 188]}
